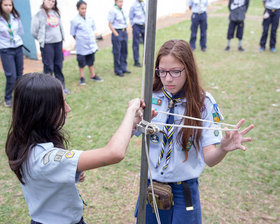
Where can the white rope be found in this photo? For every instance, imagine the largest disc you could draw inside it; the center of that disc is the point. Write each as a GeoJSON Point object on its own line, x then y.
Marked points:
{"type": "Point", "coordinates": [197, 119]}
{"type": "Point", "coordinates": [151, 179]}
{"type": "Point", "coordinates": [195, 127]}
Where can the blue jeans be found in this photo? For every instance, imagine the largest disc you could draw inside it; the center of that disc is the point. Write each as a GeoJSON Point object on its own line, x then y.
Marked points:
{"type": "Point", "coordinates": [177, 214]}
{"type": "Point", "coordinates": [199, 20]}
{"type": "Point", "coordinates": [12, 62]}
{"type": "Point", "coordinates": [120, 51]}
{"type": "Point", "coordinates": [52, 57]}
{"type": "Point", "coordinates": [138, 32]}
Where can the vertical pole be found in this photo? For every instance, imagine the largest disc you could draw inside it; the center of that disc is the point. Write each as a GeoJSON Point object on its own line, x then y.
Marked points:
{"type": "Point", "coordinates": [149, 70]}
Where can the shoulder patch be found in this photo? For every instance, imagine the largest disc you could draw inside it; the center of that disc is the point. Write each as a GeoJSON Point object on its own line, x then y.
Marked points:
{"type": "Point", "coordinates": [155, 139]}
{"type": "Point", "coordinates": [46, 158]}
{"type": "Point", "coordinates": [216, 117]}
{"type": "Point", "coordinates": [59, 155]}
{"type": "Point", "coordinates": [69, 154]}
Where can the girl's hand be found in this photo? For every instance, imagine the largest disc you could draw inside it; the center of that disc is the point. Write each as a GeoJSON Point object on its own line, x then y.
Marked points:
{"type": "Point", "coordinates": [233, 139]}
{"type": "Point", "coordinates": [82, 177]}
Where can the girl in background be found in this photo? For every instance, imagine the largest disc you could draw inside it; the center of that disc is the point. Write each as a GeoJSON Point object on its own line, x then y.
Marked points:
{"type": "Point", "coordinates": [38, 154]}
{"type": "Point", "coordinates": [10, 46]}
{"type": "Point", "coordinates": [46, 27]}
{"type": "Point", "coordinates": [179, 156]}
{"type": "Point", "coordinates": [82, 27]}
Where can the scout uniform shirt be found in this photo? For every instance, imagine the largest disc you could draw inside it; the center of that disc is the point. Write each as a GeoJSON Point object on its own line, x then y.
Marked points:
{"type": "Point", "coordinates": [82, 29]}
{"type": "Point", "coordinates": [137, 13]}
{"type": "Point", "coordinates": [117, 18]}
{"type": "Point", "coordinates": [198, 6]}
{"type": "Point", "coordinates": [50, 191]}
{"type": "Point", "coordinates": [178, 169]}
{"type": "Point", "coordinates": [10, 32]}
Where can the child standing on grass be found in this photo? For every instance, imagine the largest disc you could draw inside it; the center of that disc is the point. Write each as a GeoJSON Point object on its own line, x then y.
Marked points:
{"type": "Point", "coordinates": [10, 46]}
{"type": "Point", "coordinates": [38, 154]}
{"type": "Point", "coordinates": [82, 29]}
{"type": "Point", "coordinates": [178, 155]}
{"type": "Point", "coordinates": [46, 27]}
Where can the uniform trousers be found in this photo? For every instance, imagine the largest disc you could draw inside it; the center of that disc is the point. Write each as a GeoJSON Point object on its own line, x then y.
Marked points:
{"type": "Point", "coordinates": [138, 33]}
{"type": "Point", "coordinates": [120, 50]}
{"type": "Point", "coordinates": [199, 19]}
{"type": "Point", "coordinates": [177, 214]}
{"type": "Point", "coordinates": [52, 57]}
{"type": "Point", "coordinates": [12, 62]}
{"type": "Point", "coordinates": [273, 19]}
{"type": "Point", "coordinates": [235, 25]}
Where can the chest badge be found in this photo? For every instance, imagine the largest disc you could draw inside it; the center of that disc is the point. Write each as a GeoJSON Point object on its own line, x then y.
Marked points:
{"type": "Point", "coordinates": [156, 101]}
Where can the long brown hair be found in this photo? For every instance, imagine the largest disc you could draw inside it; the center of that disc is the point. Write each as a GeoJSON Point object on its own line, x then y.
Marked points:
{"type": "Point", "coordinates": [14, 12]}
{"type": "Point", "coordinates": [55, 8]}
{"type": "Point", "coordinates": [191, 90]}
{"type": "Point", "coordinates": [38, 117]}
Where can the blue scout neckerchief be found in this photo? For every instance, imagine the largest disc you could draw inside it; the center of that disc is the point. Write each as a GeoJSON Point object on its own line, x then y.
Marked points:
{"type": "Point", "coordinates": [168, 130]}
{"type": "Point", "coordinates": [121, 12]}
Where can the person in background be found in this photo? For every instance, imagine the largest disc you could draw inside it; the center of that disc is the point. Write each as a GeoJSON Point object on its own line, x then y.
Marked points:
{"type": "Point", "coordinates": [38, 154]}
{"type": "Point", "coordinates": [199, 18]}
{"type": "Point", "coordinates": [46, 27]}
{"type": "Point", "coordinates": [178, 155]}
{"type": "Point", "coordinates": [238, 9]}
{"type": "Point", "coordinates": [270, 19]}
{"type": "Point", "coordinates": [10, 47]}
{"type": "Point", "coordinates": [82, 29]}
{"type": "Point", "coordinates": [137, 17]}
{"type": "Point", "coordinates": [118, 24]}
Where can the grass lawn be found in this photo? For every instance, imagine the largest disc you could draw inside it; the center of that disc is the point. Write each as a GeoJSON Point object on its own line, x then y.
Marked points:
{"type": "Point", "coordinates": [244, 188]}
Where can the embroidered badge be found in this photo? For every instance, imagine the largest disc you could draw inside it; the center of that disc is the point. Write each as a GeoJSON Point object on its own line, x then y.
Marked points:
{"type": "Point", "coordinates": [216, 133]}
{"type": "Point", "coordinates": [69, 154]}
{"type": "Point", "coordinates": [59, 155]}
{"type": "Point", "coordinates": [154, 139]}
{"type": "Point", "coordinates": [156, 101]}
{"type": "Point", "coordinates": [216, 117]}
{"type": "Point", "coordinates": [216, 108]}
{"type": "Point", "coordinates": [46, 158]}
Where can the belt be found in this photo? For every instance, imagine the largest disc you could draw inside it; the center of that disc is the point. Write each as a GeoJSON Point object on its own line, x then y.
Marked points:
{"type": "Point", "coordinates": [139, 24]}
{"type": "Point", "coordinates": [272, 10]}
{"type": "Point", "coordinates": [123, 29]}
{"type": "Point", "coordinates": [199, 12]}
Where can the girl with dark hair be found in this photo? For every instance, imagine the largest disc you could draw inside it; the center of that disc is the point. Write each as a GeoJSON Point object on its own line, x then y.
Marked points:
{"type": "Point", "coordinates": [38, 154]}
{"type": "Point", "coordinates": [10, 46]}
{"type": "Point", "coordinates": [178, 156]}
{"type": "Point", "coordinates": [46, 27]}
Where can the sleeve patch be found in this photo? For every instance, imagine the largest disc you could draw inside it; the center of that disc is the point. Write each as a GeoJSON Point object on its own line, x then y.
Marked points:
{"type": "Point", "coordinates": [69, 154]}
{"type": "Point", "coordinates": [216, 117]}
{"type": "Point", "coordinates": [59, 155]}
{"type": "Point", "coordinates": [46, 158]}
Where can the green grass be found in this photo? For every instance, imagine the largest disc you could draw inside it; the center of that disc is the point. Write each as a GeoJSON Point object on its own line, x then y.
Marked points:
{"type": "Point", "coordinates": [244, 188]}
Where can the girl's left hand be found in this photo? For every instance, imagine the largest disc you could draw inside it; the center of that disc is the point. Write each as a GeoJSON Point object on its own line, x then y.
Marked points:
{"type": "Point", "coordinates": [233, 139]}
{"type": "Point", "coordinates": [82, 177]}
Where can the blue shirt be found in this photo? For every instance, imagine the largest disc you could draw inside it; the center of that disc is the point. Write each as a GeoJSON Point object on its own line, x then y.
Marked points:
{"type": "Point", "coordinates": [10, 40]}
{"type": "Point", "coordinates": [272, 4]}
{"type": "Point", "coordinates": [50, 191]}
{"type": "Point", "coordinates": [198, 6]}
{"type": "Point", "coordinates": [137, 14]}
{"type": "Point", "coordinates": [117, 17]}
{"type": "Point", "coordinates": [178, 169]}
{"type": "Point", "coordinates": [83, 30]}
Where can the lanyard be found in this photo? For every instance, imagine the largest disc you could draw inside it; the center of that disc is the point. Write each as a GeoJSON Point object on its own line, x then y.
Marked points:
{"type": "Point", "coordinates": [121, 12]}
{"type": "Point", "coordinates": [11, 33]}
{"type": "Point", "coordinates": [141, 3]}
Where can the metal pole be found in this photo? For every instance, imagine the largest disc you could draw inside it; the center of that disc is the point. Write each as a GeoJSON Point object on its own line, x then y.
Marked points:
{"type": "Point", "coordinates": [149, 70]}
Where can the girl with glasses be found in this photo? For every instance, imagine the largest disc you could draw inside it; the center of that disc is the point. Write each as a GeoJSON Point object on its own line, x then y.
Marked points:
{"type": "Point", "coordinates": [10, 46]}
{"type": "Point", "coordinates": [178, 155]}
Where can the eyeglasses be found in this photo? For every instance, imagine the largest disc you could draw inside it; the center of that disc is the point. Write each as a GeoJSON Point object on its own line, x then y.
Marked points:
{"type": "Point", "coordinates": [173, 73]}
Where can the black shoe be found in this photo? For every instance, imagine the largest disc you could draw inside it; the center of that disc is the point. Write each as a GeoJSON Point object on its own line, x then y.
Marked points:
{"type": "Point", "coordinates": [227, 48]}
{"type": "Point", "coordinates": [137, 64]}
{"type": "Point", "coordinates": [241, 48]}
{"type": "Point", "coordinates": [96, 78]}
{"type": "Point", "coordinates": [120, 74]}
{"type": "Point", "coordinates": [126, 71]}
{"type": "Point", "coordinates": [203, 49]}
{"type": "Point", "coordinates": [82, 81]}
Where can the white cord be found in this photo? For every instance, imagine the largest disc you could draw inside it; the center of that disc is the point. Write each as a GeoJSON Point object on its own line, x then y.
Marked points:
{"type": "Point", "coordinates": [151, 179]}
{"type": "Point", "coordinates": [195, 127]}
{"type": "Point", "coordinates": [197, 119]}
